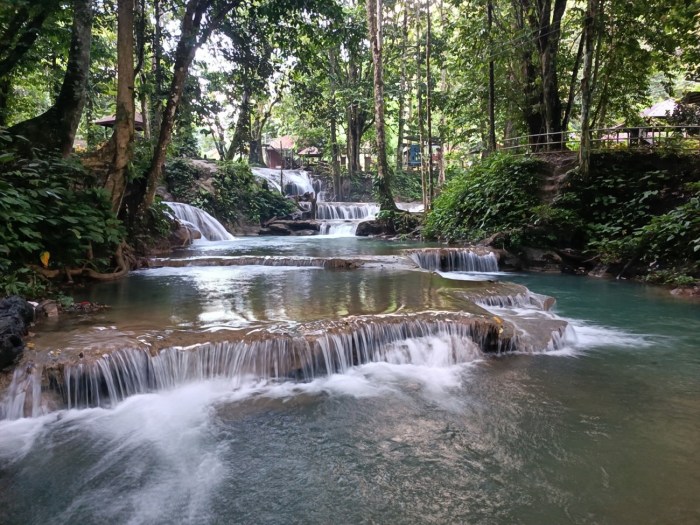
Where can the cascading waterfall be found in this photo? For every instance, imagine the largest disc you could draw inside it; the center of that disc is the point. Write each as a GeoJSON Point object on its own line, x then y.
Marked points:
{"type": "Point", "coordinates": [208, 226]}
{"type": "Point", "coordinates": [295, 182]}
{"type": "Point", "coordinates": [525, 300]}
{"type": "Point", "coordinates": [343, 218]}
{"type": "Point", "coordinates": [435, 339]}
{"type": "Point", "coordinates": [346, 210]}
{"type": "Point", "coordinates": [454, 260]}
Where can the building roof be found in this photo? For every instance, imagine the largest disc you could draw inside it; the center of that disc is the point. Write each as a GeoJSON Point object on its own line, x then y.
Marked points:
{"type": "Point", "coordinates": [280, 143]}
{"type": "Point", "coordinates": [109, 121]}
{"type": "Point", "coordinates": [660, 109]}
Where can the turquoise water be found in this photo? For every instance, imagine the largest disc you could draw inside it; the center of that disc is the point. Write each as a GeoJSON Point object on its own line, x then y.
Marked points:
{"type": "Point", "coordinates": [606, 431]}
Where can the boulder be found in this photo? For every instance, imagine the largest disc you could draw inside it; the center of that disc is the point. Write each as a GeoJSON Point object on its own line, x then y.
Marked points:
{"type": "Point", "coordinates": [686, 291]}
{"type": "Point", "coordinates": [15, 315]}
{"type": "Point", "coordinates": [543, 260]}
{"type": "Point", "coordinates": [47, 308]}
{"type": "Point", "coordinates": [367, 228]}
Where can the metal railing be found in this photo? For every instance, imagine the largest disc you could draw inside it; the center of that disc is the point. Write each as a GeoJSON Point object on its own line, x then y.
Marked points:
{"type": "Point", "coordinates": [675, 138]}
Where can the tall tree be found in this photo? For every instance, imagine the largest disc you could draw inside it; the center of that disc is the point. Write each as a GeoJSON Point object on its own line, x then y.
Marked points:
{"type": "Point", "coordinates": [123, 137]}
{"type": "Point", "coordinates": [588, 39]}
{"type": "Point", "coordinates": [199, 20]}
{"type": "Point", "coordinates": [383, 184]}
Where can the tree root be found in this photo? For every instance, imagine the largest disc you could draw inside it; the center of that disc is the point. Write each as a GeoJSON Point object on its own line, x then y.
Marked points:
{"type": "Point", "coordinates": [122, 268]}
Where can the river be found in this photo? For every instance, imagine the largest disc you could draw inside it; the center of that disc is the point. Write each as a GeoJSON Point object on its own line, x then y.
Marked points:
{"type": "Point", "coordinates": [604, 430]}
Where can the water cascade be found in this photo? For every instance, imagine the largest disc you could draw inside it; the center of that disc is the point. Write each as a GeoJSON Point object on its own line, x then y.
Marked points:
{"type": "Point", "coordinates": [342, 218]}
{"type": "Point", "coordinates": [295, 182]}
{"type": "Point", "coordinates": [346, 210]}
{"type": "Point", "coordinates": [208, 226]}
{"type": "Point", "coordinates": [316, 349]}
{"type": "Point", "coordinates": [454, 260]}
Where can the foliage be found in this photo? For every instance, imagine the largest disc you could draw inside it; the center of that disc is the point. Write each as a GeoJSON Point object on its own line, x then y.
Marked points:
{"type": "Point", "coordinates": [50, 205]}
{"type": "Point", "coordinates": [231, 192]}
{"type": "Point", "coordinates": [632, 211]}
{"type": "Point", "coordinates": [407, 185]}
{"type": "Point", "coordinates": [400, 222]}
{"type": "Point", "coordinates": [673, 277]}
{"type": "Point", "coordinates": [496, 194]}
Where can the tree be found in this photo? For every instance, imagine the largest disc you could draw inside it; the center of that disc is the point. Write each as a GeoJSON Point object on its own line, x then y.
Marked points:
{"type": "Point", "coordinates": [55, 128]}
{"type": "Point", "coordinates": [121, 144]}
{"type": "Point", "coordinates": [374, 18]}
{"type": "Point", "coordinates": [199, 20]}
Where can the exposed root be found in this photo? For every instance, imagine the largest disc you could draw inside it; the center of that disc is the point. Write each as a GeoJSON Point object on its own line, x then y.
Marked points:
{"type": "Point", "coordinates": [122, 268]}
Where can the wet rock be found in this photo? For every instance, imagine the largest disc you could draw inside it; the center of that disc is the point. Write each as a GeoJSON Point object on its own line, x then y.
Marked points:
{"type": "Point", "coordinates": [600, 270]}
{"type": "Point", "coordinates": [290, 227]}
{"type": "Point", "coordinates": [367, 228]}
{"type": "Point", "coordinates": [276, 228]}
{"type": "Point", "coordinates": [15, 316]}
{"type": "Point", "coordinates": [47, 308]}
{"type": "Point", "coordinates": [543, 260]}
{"type": "Point", "coordinates": [686, 291]}
{"type": "Point", "coordinates": [183, 236]}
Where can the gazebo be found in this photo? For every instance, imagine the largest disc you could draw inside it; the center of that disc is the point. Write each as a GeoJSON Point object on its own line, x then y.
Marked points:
{"type": "Point", "coordinates": [108, 122]}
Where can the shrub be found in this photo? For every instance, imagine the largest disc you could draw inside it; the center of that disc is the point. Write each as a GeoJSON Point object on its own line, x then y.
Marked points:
{"type": "Point", "coordinates": [49, 204]}
{"type": "Point", "coordinates": [497, 194]}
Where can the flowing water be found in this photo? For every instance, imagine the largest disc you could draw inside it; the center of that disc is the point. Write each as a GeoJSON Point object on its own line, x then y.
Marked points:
{"type": "Point", "coordinates": [200, 220]}
{"type": "Point", "coordinates": [603, 429]}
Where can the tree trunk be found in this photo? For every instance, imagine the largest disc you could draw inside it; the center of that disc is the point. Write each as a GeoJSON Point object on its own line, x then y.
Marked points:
{"type": "Point", "coordinates": [588, 38]}
{"type": "Point", "coordinates": [255, 154]}
{"type": "Point", "coordinates": [421, 117]}
{"type": "Point", "coordinates": [550, 36]}
{"type": "Point", "coordinates": [241, 133]}
{"type": "Point", "coordinates": [184, 54]}
{"type": "Point", "coordinates": [55, 129]}
{"type": "Point", "coordinates": [492, 81]}
{"type": "Point", "coordinates": [333, 121]}
{"type": "Point", "coordinates": [157, 99]}
{"type": "Point", "coordinates": [383, 184]}
{"type": "Point", "coordinates": [5, 92]}
{"type": "Point", "coordinates": [356, 123]}
{"type": "Point", "coordinates": [123, 137]}
{"type": "Point", "coordinates": [428, 108]}
{"type": "Point", "coordinates": [402, 91]}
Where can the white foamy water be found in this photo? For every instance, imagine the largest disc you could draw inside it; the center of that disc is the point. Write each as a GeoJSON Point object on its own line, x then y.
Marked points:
{"type": "Point", "coordinates": [580, 336]}
{"type": "Point", "coordinates": [338, 228]}
{"type": "Point", "coordinates": [208, 226]}
{"type": "Point", "coordinates": [472, 276]}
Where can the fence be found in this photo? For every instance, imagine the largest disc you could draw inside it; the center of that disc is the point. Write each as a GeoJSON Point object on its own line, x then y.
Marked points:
{"type": "Point", "coordinates": [675, 138]}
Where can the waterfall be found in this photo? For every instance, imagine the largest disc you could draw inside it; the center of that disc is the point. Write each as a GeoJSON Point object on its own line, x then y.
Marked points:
{"type": "Point", "coordinates": [340, 219]}
{"type": "Point", "coordinates": [316, 349]}
{"type": "Point", "coordinates": [524, 300]}
{"type": "Point", "coordinates": [346, 210]}
{"type": "Point", "coordinates": [295, 182]}
{"type": "Point", "coordinates": [339, 228]}
{"type": "Point", "coordinates": [208, 226]}
{"type": "Point", "coordinates": [454, 260]}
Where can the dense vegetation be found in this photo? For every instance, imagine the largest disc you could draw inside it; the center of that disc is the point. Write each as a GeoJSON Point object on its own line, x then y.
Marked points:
{"type": "Point", "coordinates": [51, 207]}
{"type": "Point", "coordinates": [495, 195]}
{"type": "Point", "coordinates": [639, 214]}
